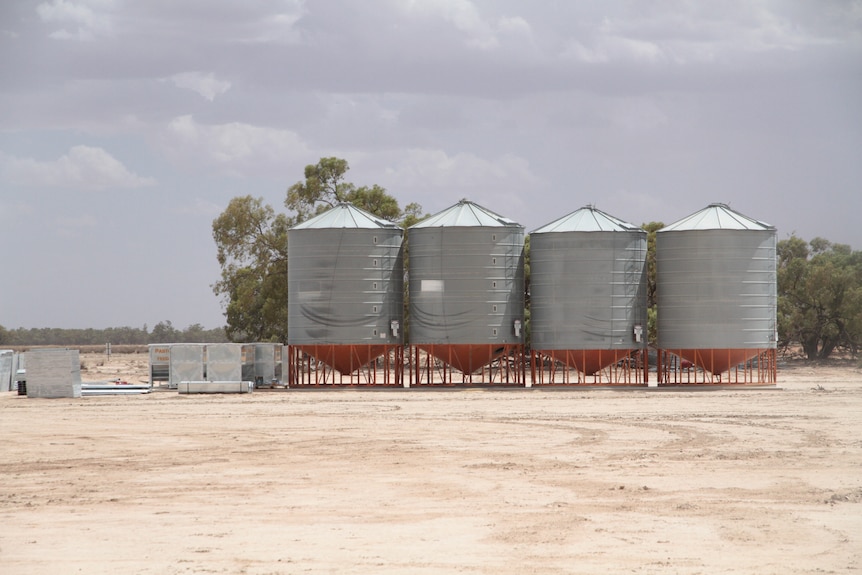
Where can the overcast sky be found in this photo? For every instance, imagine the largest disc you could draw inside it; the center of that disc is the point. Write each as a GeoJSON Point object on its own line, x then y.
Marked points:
{"type": "Point", "coordinates": [127, 126]}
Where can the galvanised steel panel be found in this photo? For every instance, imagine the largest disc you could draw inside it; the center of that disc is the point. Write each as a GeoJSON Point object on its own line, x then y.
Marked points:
{"type": "Point", "coordinates": [588, 290]}
{"type": "Point", "coordinates": [345, 286]}
{"type": "Point", "coordinates": [188, 363]}
{"type": "Point", "coordinates": [224, 361]}
{"type": "Point", "coordinates": [716, 289]}
{"type": "Point", "coordinates": [265, 360]}
{"type": "Point", "coordinates": [466, 284]}
{"type": "Point", "coordinates": [248, 353]}
{"type": "Point", "coordinates": [19, 364]}
{"type": "Point", "coordinates": [6, 373]}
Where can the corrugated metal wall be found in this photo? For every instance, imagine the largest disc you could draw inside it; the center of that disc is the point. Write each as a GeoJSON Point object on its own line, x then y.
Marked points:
{"type": "Point", "coordinates": [345, 286]}
{"type": "Point", "coordinates": [716, 289]}
{"type": "Point", "coordinates": [466, 284]}
{"type": "Point", "coordinates": [588, 289]}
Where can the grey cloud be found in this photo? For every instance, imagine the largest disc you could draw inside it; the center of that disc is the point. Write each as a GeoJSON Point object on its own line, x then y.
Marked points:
{"type": "Point", "coordinates": [82, 168]}
{"type": "Point", "coordinates": [648, 110]}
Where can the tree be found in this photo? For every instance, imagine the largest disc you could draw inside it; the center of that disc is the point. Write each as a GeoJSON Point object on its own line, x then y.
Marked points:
{"type": "Point", "coordinates": [251, 242]}
{"type": "Point", "coordinates": [819, 296]}
{"type": "Point", "coordinates": [324, 187]}
{"type": "Point", "coordinates": [412, 215]}
{"type": "Point", "coordinates": [528, 276]}
{"type": "Point", "coordinates": [652, 311]}
{"type": "Point", "coordinates": [164, 332]}
{"type": "Point", "coordinates": [375, 200]}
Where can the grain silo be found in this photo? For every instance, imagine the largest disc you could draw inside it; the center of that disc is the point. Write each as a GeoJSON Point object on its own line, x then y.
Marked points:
{"type": "Point", "coordinates": [345, 299]}
{"type": "Point", "coordinates": [588, 299]}
{"type": "Point", "coordinates": [716, 293]}
{"type": "Point", "coordinates": [466, 287]}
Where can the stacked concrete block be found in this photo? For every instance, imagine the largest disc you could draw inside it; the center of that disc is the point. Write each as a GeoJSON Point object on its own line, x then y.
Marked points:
{"type": "Point", "coordinates": [53, 373]}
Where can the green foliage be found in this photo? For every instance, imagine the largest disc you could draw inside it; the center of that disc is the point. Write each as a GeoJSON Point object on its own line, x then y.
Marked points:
{"type": "Point", "coordinates": [251, 247]}
{"type": "Point", "coordinates": [376, 201]}
{"type": "Point", "coordinates": [652, 311]}
{"type": "Point", "coordinates": [528, 328]}
{"type": "Point", "coordinates": [323, 188]}
{"type": "Point", "coordinates": [652, 326]}
{"type": "Point", "coordinates": [412, 215]}
{"type": "Point", "coordinates": [651, 228]}
{"type": "Point", "coordinates": [164, 332]}
{"type": "Point", "coordinates": [819, 296]}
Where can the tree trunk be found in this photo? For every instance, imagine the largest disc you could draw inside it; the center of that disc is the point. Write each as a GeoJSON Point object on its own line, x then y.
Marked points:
{"type": "Point", "coordinates": [829, 345]}
{"type": "Point", "coordinates": [809, 346]}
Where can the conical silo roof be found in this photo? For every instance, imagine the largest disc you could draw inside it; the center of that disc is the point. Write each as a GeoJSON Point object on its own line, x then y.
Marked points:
{"type": "Point", "coordinates": [717, 217]}
{"type": "Point", "coordinates": [587, 219]}
{"type": "Point", "coordinates": [345, 215]}
{"type": "Point", "coordinates": [465, 214]}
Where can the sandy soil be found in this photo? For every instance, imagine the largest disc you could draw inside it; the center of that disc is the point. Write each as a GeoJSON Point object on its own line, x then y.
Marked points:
{"type": "Point", "coordinates": [436, 481]}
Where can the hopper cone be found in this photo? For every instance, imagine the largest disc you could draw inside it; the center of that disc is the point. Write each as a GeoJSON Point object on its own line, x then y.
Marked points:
{"type": "Point", "coordinates": [588, 361]}
{"type": "Point", "coordinates": [344, 358]}
{"type": "Point", "coordinates": [467, 358]}
{"type": "Point", "coordinates": [716, 361]}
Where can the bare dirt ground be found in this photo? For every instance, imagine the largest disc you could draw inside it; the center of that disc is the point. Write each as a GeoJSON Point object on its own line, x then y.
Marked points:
{"type": "Point", "coordinates": [435, 481]}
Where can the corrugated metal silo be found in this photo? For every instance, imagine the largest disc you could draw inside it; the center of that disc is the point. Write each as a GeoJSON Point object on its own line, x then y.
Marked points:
{"type": "Point", "coordinates": [466, 285]}
{"type": "Point", "coordinates": [588, 292]}
{"type": "Point", "coordinates": [345, 288]}
{"type": "Point", "coordinates": [716, 286]}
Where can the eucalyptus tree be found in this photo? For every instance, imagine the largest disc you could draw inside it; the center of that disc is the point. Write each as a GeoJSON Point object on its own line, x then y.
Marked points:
{"type": "Point", "coordinates": [819, 296]}
{"type": "Point", "coordinates": [251, 248]}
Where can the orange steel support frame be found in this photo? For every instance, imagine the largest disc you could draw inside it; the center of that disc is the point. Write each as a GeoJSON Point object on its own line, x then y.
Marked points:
{"type": "Point", "coordinates": [547, 371]}
{"type": "Point", "coordinates": [386, 370]}
{"type": "Point", "coordinates": [428, 368]}
{"type": "Point", "coordinates": [761, 369]}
